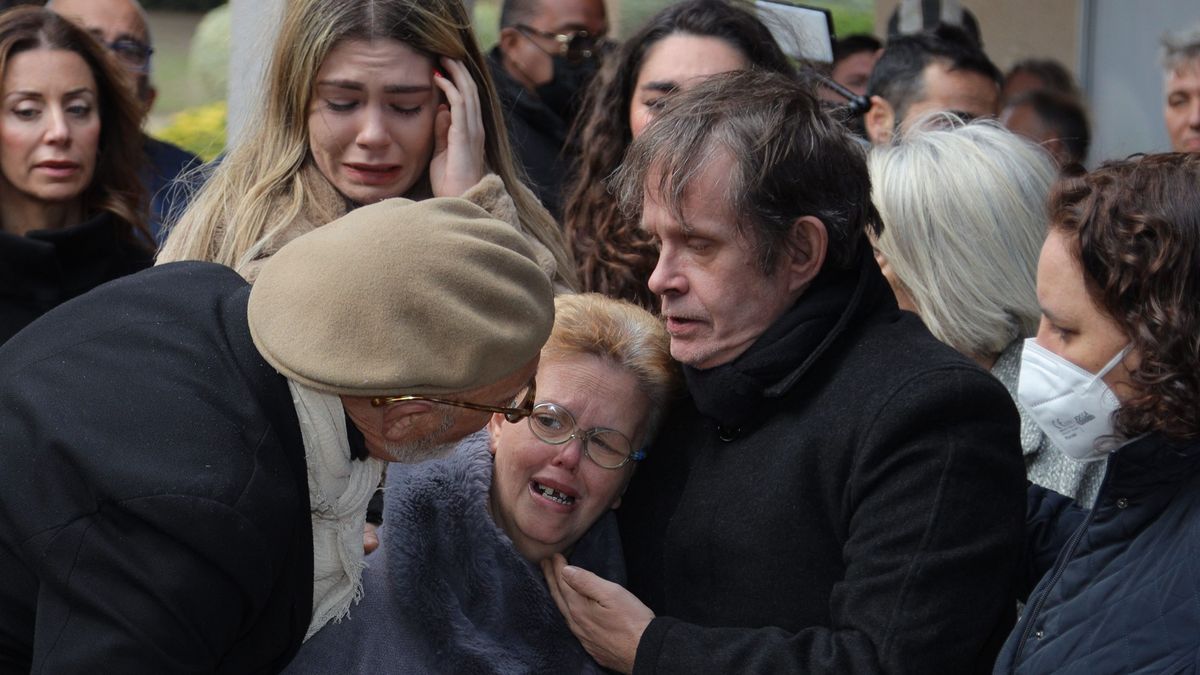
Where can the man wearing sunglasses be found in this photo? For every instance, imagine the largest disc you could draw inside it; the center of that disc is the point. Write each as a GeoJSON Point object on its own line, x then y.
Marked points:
{"type": "Point", "coordinates": [547, 54]}
{"type": "Point", "coordinates": [121, 26]}
{"type": "Point", "coordinates": [185, 461]}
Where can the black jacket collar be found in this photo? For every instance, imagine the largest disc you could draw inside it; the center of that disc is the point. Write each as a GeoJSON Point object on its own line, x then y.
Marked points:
{"type": "Point", "coordinates": [68, 260]}
{"type": "Point", "coordinates": [837, 300]}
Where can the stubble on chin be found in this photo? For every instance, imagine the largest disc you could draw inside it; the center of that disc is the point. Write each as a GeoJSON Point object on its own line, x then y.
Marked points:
{"type": "Point", "coordinates": [425, 448]}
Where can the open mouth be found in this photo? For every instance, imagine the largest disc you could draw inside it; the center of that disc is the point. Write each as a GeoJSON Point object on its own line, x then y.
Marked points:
{"type": "Point", "coordinates": [552, 494]}
{"type": "Point", "coordinates": [373, 174]}
{"type": "Point", "coordinates": [680, 324]}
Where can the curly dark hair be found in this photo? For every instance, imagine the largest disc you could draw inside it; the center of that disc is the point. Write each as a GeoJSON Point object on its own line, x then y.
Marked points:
{"type": "Point", "coordinates": [116, 186]}
{"type": "Point", "coordinates": [1134, 226]}
{"type": "Point", "coordinates": [613, 255]}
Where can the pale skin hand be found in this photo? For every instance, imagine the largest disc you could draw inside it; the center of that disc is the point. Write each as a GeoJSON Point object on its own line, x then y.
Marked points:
{"type": "Point", "coordinates": [607, 619]}
{"type": "Point", "coordinates": [370, 538]}
{"type": "Point", "coordinates": [458, 162]}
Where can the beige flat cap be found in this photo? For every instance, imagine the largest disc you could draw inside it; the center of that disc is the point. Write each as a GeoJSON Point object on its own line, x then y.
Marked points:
{"type": "Point", "coordinates": [402, 297]}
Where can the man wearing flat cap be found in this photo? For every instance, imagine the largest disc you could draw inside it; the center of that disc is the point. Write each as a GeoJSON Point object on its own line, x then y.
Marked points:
{"type": "Point", "coordinates": [185, 462]}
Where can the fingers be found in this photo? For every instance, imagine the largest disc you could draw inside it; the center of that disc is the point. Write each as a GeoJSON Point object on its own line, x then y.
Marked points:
{"type": "Point", "coordinates": [552, 580]}
{"type": "Point", "coordinates": [441, 129]}
{"type": "Point", "coordinates": [460, 92]}
{"type": "Point", "coordinates": [370, 538]}
{"type": "Point", "coordinates": [468, 94]}
{"type": "Point", "coordinates": [459, 158]}
{"type": "Point", "coordinates": [584, 583]}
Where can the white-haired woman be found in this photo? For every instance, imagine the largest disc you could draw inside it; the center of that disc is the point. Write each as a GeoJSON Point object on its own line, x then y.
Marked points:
{"type": "Point", "coordinates": [964, 213]}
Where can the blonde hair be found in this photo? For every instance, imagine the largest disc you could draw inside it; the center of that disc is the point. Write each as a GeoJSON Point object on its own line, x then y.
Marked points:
{"type": "Point", "coordinates": [590, 324]}
{"type": "Point", "coordinates": [260, 187]}
{"type": "Point", "coordinates": [964, 217]}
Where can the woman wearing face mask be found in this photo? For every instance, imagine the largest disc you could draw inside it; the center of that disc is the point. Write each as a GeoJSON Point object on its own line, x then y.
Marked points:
{"type": "Point", "coordinates": [364, 101]}
{"type": "Point", "coordinates": [455, 586]}
{"type": "Point", "coordinates": [1115, 372]}
{"type": "Point", "coordinates": [71, 207]}
{"type": "Point", "coordinates": [678, 47]}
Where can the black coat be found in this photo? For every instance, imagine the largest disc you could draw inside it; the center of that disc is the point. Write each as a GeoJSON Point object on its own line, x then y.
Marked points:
{"type": "Point", "coordinates": [165, 163]}
{"type": "Point", "coordinates": [538, 136]}
{"type": "Point", "coordinates": [154, 513]}
{"type": "Point", "coordinates": [45, 268]}
{"type": "Point", "coordinates": [1120, 583]}
{"type": "Point", "coordinates": [845, 497]}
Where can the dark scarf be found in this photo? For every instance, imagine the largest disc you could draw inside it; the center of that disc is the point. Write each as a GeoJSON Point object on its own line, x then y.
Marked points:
{"type": "Point", "coordinates": [730, 394]}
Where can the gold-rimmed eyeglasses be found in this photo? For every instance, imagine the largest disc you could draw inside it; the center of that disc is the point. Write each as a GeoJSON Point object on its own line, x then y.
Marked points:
{"type": "Point", "coordinates": [575, 46]}
{"type": "Point", "coordinates": [608, 448]}
{"type": "Point", "coordinates": [512, 414]}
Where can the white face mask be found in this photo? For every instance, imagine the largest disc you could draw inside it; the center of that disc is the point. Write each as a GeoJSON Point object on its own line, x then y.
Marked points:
{"type": "Point", "coordinates": [1071, 406]}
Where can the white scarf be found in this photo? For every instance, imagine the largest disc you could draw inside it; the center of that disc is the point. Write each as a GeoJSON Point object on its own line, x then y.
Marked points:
{"type": "Point", "coordinates": [338, 491]}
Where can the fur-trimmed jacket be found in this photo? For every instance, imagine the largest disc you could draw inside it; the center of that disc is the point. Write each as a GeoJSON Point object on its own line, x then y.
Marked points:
{"type": "Point", "coordinates": [447, 592]}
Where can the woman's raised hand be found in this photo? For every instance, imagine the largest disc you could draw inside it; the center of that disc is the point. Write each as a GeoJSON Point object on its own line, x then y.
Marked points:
{"type": "Point", "coordinates": [459, 160]}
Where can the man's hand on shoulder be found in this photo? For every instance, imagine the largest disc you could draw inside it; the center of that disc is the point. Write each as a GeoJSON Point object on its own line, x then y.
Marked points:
{"type": "Point", "coordinates": [606, 618]}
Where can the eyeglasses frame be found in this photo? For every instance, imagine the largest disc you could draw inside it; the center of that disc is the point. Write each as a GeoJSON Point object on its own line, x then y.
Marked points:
{"type": "Point", "coordinates": [564, 41]}
{"type": "Point", "coordinates": [523, 410]}
{"type": "Point", "coordinates": [634, 455]}
{"type": "Point", "coordinates": [143, 66]}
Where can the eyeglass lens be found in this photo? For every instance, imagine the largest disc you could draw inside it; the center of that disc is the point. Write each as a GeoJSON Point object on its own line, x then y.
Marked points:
{"type": "Point", "coordinates": [555, 425]}
{"type": "Point", "coordinates": [131, 52]}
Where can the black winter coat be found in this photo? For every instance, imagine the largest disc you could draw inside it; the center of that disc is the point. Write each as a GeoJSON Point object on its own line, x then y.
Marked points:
{"type": "Point", "coordinates": [45, 268]}
{"type": "Point", "coordinates": [538, 136]}
{"type": "Point", "coordinates": [154, 513]}
{"type": "Point", "coordinates": [845, 497]}
{"type": "Point", "coordinates": [1120, 584]}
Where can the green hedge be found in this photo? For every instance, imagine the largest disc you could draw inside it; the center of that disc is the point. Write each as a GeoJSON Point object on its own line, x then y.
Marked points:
{"type": "Point", "coordinates": [200, 130]}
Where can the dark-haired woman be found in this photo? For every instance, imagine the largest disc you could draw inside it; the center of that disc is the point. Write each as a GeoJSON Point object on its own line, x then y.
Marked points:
{"type": "Point", "coordinates": [676, 48]}
{"type": "Point", "coordinates": [1114, 372]}
{"type": "Point", "coordinates": [71, 206]}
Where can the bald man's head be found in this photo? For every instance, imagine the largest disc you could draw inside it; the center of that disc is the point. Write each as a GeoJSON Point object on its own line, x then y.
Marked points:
{"type": "Point", "coordinates": [116, 22]}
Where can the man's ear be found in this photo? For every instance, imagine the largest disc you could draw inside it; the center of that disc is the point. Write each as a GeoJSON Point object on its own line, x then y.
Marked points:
{"type": "Point", "coordinates": [880, 121]}
{"type": "Point", "coordinates": [807, 246]}
{"type": "Point", "coordinates": [494, 425]}
{"type": "Point", "coordinates": [508, 39]}
{"type": "Point", "coordinates": [400, 418]}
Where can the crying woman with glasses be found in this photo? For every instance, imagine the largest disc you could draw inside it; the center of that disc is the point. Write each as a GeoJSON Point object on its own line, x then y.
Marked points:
{"type": "Point", "coordinates": [455, 585]}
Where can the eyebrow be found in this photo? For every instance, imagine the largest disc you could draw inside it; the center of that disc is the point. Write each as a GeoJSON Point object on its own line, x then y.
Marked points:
{"type": "Point", "coordinates": [389, 89]}
{"type": "Point", "coordinates": [1054, 318]}
{"type": "Point", "coordinates": [30, 93]}
{"type": "Point", "coordinates": [665, 86]}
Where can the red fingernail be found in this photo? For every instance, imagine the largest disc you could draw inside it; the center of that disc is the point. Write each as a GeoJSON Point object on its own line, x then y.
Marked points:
{"type": "Point", "coordinates": [437, 73]}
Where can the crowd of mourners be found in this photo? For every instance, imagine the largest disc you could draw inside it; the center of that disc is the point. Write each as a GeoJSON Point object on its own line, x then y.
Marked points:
{"type": "Point", "coordinates": [676, 355]}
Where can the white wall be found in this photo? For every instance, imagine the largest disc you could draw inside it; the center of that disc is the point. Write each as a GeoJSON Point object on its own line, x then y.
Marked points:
{"type": "Point", "coordinates": [253, 27]}
{"type": "Point", "coordinates": [1121, 75]}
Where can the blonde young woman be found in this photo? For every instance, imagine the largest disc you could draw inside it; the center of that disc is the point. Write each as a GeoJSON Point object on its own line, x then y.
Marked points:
{"type": "Point", "coordinates": [364, 101]}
